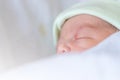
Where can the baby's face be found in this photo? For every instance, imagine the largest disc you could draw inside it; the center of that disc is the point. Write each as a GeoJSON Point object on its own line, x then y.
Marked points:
{"type": "Point", "coordinates": [82, 32]}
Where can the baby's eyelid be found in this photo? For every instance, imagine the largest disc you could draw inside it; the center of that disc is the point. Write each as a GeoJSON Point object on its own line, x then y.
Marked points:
{"type": "Point", "coordinates": [79, 36]}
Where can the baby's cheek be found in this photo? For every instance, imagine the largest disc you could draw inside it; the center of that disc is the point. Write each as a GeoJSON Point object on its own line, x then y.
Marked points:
{"type": "Point", "coordinates": [85, 43]}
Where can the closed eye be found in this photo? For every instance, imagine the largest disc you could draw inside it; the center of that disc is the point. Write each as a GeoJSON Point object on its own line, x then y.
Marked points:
{"type": "Point", "coordinates": [82, 38]}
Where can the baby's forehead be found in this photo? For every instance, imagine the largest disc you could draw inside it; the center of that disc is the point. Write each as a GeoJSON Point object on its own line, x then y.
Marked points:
{"type": "Point", "coordinates": [80, 21]}
{"type": "Point", "coordinates": [83, 20]}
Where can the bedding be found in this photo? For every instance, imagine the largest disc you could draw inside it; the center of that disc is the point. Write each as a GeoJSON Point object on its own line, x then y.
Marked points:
{"type": "Point", "coordinates": [99, 63]}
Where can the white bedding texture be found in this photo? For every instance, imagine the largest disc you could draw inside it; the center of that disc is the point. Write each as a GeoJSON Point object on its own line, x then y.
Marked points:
{"type": "Point", "coordinates": [99, 63]}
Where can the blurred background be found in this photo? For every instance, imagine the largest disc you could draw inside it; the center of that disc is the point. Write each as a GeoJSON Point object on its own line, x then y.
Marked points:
{"type": "Point", "coordinates": [26, 30]}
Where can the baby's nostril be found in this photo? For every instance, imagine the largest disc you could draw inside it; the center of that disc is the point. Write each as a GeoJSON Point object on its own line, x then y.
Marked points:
{"type": "Point", "coordinates": [63, 48]}
{"type": "Point", "coordinates": [64, 51]}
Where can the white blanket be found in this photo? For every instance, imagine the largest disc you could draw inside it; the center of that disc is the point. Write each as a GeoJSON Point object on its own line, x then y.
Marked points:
{"type": "Point", "coordinates": [99, 63]}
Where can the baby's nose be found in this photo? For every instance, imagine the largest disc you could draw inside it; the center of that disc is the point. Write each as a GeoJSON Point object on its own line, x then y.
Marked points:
{"type": "Point", "coordinates": [62, 48]}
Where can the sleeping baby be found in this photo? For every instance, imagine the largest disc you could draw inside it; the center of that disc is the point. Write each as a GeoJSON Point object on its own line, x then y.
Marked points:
{"type": "Point", "coordinates": [85, 25]}
{"type": "Point", "coordinates": [92, 28]}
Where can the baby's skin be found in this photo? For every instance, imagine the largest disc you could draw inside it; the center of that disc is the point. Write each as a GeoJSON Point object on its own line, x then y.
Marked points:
{"type": "Point", "coordinates": [83, 32]}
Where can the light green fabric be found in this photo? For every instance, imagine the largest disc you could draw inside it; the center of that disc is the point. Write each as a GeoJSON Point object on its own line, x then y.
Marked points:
{"type": "Point", "coordinates": [106, 10]}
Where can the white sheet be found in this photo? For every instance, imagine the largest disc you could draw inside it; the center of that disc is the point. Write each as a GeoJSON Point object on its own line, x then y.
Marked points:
{"type": "Point", "coordinates": [99, 63]}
